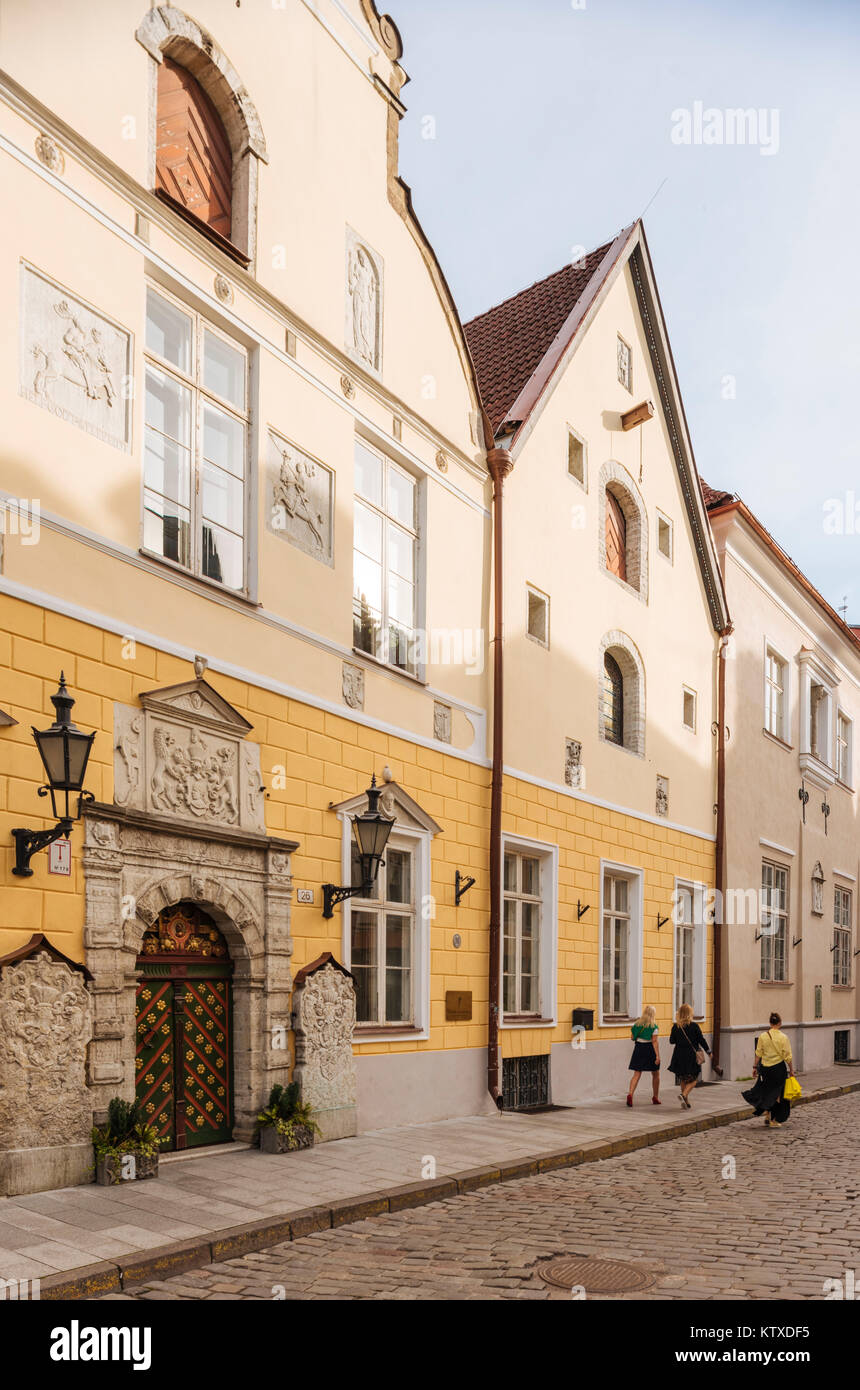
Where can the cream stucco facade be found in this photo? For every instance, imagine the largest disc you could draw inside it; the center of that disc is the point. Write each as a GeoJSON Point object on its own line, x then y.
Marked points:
{"type": "Point", "coordinates": [787, 645]}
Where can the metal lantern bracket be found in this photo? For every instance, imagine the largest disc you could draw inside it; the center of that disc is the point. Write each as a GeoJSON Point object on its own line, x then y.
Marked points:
{"type": "Point", "coordinates": [581, 909]}
{"type": "Point", "coordinates": [371, 830]}
{"type": "Point", "coordinates": [462, 884]}
{"type": "Point", "coordinates": [795, 941]}
{"type": "Point", "coordinates": [661, 921]}
{"type": "Point", "coordinates": [64, 750]}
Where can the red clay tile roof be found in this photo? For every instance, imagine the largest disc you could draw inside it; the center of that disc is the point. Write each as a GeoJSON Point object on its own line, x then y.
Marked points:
{"type": "Point", "coordinates": [714, 497]}
{"type": "Point", "coordinates": [508, 342]}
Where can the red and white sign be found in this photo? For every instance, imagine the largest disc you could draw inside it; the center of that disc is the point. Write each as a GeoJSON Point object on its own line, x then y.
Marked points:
{"type": "Point", "coordinates": [60, 857]}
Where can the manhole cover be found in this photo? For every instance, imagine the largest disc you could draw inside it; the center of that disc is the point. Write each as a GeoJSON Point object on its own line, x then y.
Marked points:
{"type": "Point", "coordinates": [595, 1276]}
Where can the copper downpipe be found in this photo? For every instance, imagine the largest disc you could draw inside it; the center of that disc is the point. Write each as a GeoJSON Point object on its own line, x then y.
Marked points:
{"type": "Point", "coordinates": [499, 463]}
{"type": "Point", "coordinates": [720, 852]}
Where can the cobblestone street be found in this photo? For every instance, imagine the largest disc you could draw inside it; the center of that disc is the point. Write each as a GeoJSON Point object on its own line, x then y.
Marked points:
{"type": "Point", "coordinates": [788, 1221]}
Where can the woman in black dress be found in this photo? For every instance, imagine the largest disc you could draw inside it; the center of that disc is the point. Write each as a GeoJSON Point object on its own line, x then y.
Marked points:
{"type": "Point", "coordinates": [687, 1039]}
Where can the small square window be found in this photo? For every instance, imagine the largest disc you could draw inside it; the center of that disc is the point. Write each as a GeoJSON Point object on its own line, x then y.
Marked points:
{"type": "Point", "coordinates": [665, 536]}
{"type": "Point", "coordinates": [625, 370]}
{"type": "Point", "coordinates": [690, 709]}
{"type": "Point", "coordinates": [576, 457]}
{"type": "Point", "coordinates": [538, 621]}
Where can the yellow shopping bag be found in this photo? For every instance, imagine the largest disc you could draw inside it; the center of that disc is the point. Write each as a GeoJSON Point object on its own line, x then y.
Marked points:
{"type": "Point", "coordinates": [792, 1089]}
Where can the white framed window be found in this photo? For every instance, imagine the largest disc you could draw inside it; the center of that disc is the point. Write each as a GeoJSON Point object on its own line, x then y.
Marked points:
{"type": "Point", "coordinates": [529, 932]}
{"type": "Point", "coordinates": [691, 952]}
{"type": "Point", "coordinates": [844, 748]}
{"type": "Point", "coordinates": [195, 472]}
{"type": "Point", "coordinates": [382, 945]}
{"type": "Point", "coordinates": [621, 897]}
{"type": "Point", "coordinates": [690, 702]}
{"type": "Point", "coordinates": [625, 367]}
{"type": "Point", "coordinates": [386, 936]}
{"type": "Point", "coordinates": [774, 921]}
{"type": "Point", "coordinates": [537, 620]}
{"type": "Point", "coordinates": [385, 559]}
{"type": "Point", "coordinates": [842, 936]}
{"type": "Point", "coordinates": [818, 693]}
{"type": "Point", "coordinates": [577, 457]}
{"type": "Point", "coordinates": [665, 537]}
{"type": "Point", "coordinates": [775, 694]}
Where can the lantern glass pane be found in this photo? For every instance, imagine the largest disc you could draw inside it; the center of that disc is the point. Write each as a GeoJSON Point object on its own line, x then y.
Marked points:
{"type": "Point", "coordinates": [52, 749]}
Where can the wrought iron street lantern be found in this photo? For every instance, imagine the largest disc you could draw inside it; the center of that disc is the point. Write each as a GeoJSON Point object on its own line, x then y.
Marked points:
{"type": "Point", "coordinates": [371, 830]}
{"type": "Point", "coordinates": [64, 750]}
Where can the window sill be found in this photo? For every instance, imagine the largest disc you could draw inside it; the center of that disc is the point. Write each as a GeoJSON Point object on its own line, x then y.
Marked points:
{"type": "Point", "coordinates": [776, 984]}
{"type": "Point", "coordinates": [842, 989]}
{"type": "Point", "coordinates": [241, 596]}
{"type": "Point", "coordinates": [383, 1033]}
{"type": "Point", "coordinates": [780, 742]}
{"type": "Point", "coordinates": [616, 1020]}
{"type": "Point", "coordinates": [387, 666]}
{"type": "Point", "coordinates": [622, 748]}
{"type": "Point", "coordinates": [223, 243]}
{"type": "Point", "coordinates": [846, 786]}
{"type": "Point", "coordinates": [526, 1021]}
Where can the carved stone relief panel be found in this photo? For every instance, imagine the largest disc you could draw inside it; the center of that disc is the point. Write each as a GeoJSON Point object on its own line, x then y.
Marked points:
{"type": "Point", "coordinates": [74, 361]}
{"type": "Point", "coordinates": [352, 685]}
{"type": "Point", "coordinates": [184, 755]}
{"type": "Point", "coordinates": [574, 773]}
{"type": "Point", "coordinates": [323, 1020]}
{"type": "Point", "coordinates": [662, 798]}
{"type": "Point", "coordinates": [45, 1105]}
{"type": "Point", "coordinates": [441, 721]}
{"type": "Point", "coordinates": [301, 498]}
{"type": "Point", "coordinates": [363, 302]}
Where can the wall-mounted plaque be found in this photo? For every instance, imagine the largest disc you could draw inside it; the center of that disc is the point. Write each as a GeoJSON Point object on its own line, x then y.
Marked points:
{"type": "Point", "coordinates": [458, 1005]}
{"type": "Point", "coordinates": [300, 498]}
{"type": "Point", "coordinates": [74, 361]}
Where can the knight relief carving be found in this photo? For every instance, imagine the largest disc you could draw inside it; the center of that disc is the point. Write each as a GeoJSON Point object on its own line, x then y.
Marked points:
{"type": "Point", "coordinates": [302, 491]}
{"type": "Point", "coordinates": [324, 1019]}
{"type": "Point", "coordinates": [364, 302]}
{"type": "Point", "coordinates": [184, 755]}
{"type": "Point", "coordinates": [45, 1027]}
{"type": "Point", "coordinates": [74, 361]}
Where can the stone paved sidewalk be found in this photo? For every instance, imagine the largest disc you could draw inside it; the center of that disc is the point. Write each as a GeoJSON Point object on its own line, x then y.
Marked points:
{"type": "Point", "coordinates": [92, 1239]}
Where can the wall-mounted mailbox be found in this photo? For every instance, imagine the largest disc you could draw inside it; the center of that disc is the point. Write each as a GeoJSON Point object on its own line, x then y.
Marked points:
{"type": "Point", "coordinates": [583, 1018]}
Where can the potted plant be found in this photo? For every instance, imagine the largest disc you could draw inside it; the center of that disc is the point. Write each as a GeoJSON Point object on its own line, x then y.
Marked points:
{"type": "Point", "coordinates": [287, 1123]}
{"type": "Point", "coordinates": [126, 1148]}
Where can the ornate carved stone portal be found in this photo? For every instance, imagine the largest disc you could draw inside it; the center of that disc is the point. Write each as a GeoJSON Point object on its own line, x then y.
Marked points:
{"type": "Point", "coordinates": [45, 1105]}
{"type": "Point", "coordinates": [187, 826]}
{"type": "Point", "coordinates": [324, 1019]}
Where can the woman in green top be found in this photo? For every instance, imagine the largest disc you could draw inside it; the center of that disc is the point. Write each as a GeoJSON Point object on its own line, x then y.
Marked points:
{"type": "Point", "coordinates": [646, 1053]}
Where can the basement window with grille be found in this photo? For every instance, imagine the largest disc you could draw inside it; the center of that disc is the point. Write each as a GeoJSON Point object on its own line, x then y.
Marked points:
{"type": "Point", "coordinates": [525, 1082]}
{"type": "Point", "coordinates": [840, 1045]}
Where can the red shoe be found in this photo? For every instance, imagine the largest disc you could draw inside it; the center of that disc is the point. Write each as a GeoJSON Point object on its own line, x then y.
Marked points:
{"type": "Point", "coordinates": [630, 1100]}
{"type": "Point", "coordinates": [655, 1101]}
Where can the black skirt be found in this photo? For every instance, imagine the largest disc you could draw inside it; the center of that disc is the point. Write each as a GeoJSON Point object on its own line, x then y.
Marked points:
{"type": "Point", "coordinates": [643, 1058]}
{"type": "Point", "coordinates": [767, 1093]}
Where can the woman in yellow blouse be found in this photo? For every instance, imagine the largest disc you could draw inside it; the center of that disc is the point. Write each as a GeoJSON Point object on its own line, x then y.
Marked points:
{"type": "Point", "coordinates": [772, 1068]}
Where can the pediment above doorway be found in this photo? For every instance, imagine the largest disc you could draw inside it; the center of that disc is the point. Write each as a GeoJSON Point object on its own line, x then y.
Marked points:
{"type": "Point", "coordinates": [182, 752]}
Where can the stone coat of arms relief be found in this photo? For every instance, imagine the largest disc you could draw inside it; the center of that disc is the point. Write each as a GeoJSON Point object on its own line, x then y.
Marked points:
{"type": "Point", "coordinates": [324, 1020]}
{"type": "Point", "coordinates": [74, 361]}
{"type": "Point", "coordinates": [45, 1027]}
{"type": "Point", "coordinates": [184, 755]}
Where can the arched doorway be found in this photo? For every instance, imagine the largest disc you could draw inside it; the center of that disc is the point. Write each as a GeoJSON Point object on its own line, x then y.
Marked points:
{"type": "Point", "coordinates": [184, 1032]}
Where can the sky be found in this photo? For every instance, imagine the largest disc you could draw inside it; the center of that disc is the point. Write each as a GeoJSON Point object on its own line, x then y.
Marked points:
{"type": "Point", "coordinates": [538, 126]}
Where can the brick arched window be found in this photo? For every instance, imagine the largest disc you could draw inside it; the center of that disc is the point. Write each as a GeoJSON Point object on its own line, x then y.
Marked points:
{"type": "Point", "coordinates": [616, 537]}
{"type": "Point", "coordinates": [193, 160]}
{"type": "Point", "coordinates": [621, 693]}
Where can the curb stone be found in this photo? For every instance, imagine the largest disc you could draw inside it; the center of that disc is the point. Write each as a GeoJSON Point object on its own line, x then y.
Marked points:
{"type": "Point", "coordinates": [108, 1276]}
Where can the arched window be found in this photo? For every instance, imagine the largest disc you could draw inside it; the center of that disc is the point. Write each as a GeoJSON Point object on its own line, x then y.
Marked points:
{"type": "Point", "coordinates": [623, 533]}
{"type": "Point", "coordinates": [616, 538]}
{"type": "Point", "coordinates": [621, 694]}
{"type": "Point", "coordinates": [613, 700]}
{"type": "Point", "coordinates": [193, 160]}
